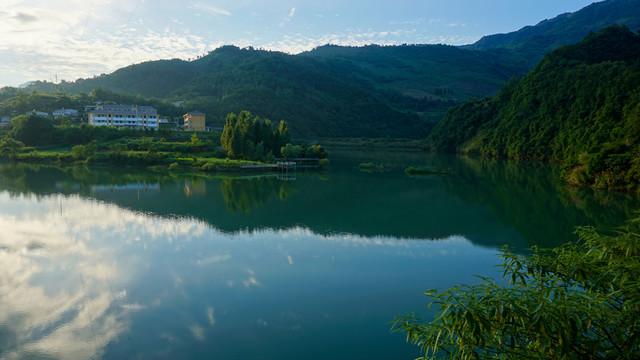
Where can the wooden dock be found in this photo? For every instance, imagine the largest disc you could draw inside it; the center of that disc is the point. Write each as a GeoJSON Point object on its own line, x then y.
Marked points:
{"type": "Point", "coordinates": [283, 168]}
{"type": "Point", "coordinates": [304, 162]}
{"type": "Point", "coordinates": [280, 166]}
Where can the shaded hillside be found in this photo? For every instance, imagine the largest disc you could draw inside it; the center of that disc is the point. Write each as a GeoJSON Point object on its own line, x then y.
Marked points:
{"type": "Point", "coordinates": [148, 79]}
{"type": "Point", "coordinates": [313, 98]}
{"type": "Point", "coordinates": [372, 91]}
{"type": "Point", "coordinates": [436, 73]}
{"type": "Point", "coordinates": [580, 105]}
{"type": "Point", "coordinates": [531, 43]}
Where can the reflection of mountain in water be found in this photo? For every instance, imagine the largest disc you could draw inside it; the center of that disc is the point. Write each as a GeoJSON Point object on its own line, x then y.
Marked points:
{"type": "Point", "coordinates": [532, 198]}
{"type": "Point", "coordinates": [490, 202]}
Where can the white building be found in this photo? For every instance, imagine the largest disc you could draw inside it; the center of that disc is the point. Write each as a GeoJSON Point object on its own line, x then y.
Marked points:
{"type": "Point", "coordinates": [5, 121]}
{"type": "Point", "coordinates": [35, 112]}
{"type": "Point", "coordinates": [124, 116]}
{"type": "Point", "coordinates": [65, 112]}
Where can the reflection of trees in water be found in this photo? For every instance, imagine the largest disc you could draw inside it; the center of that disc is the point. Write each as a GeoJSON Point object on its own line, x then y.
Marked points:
{"type": "Point", "coordinates": [12, 177]}
{"type": "Point", "coordinates": [241, 195]}
{"type": "Point", "coordinates": [534, 199]}
{"type": "Point", "coordinates": [27, 178]}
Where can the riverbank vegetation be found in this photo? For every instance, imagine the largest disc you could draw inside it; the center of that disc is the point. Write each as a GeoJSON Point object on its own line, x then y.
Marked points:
{"type": "Point", "coordinates": [412, 171]}
{"type": "Point", "coordinates": [33, 138]}
{"type": "Point", "coordinates": [371, 167]}
{"type": "Point", "coordinates": [580, 300]}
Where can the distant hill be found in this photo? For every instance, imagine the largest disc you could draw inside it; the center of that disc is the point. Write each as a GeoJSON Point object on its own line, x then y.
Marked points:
{"type": "Point", "coordinates": [369, 91]}
{"type": "Point", "coordinates": [580, 105]}
{"type": "Point", "coordinates": [531, 43]}
{"type": "Point", "coordinates": [372, 91]}
{"type": "Point", "coordinates": [313, 98]}
{"type": "Point", "coordinates": [427, 73]}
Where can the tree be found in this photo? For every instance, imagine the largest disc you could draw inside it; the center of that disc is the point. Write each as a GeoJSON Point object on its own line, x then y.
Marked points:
{"type": "Point", "coordinates": [227, 133]}
{"type": "Point", "coordinates": [81, 152]}
{"type": "Point", "coordinates": [283, 133]}
{"type": "Point", "coordinates": [10, 147]}
{"type": "Point", "coordinates": [196, 143]}
{"type": "Point", "coordinates": [32, 130]}
{"type": "Point", "coordinates": [291, 152]}
{"type": "Point", "coordinates": [315, 151]}
{"type": "Point", "coordinates": [241, 137]}
{"type": "Point", "coordinates": [580, 300]}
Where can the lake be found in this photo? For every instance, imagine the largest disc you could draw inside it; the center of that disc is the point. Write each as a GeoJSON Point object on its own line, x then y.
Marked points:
{"type": "Point", "coordinates": [129, 264]}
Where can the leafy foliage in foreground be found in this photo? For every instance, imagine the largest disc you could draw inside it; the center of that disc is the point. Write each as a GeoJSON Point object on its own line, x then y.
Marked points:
{"type": "Point", "coordinates": [581, 106]}
{"type": "Point", "coordinates": [580, 300]}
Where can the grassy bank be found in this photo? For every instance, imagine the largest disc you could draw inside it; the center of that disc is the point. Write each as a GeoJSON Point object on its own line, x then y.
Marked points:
{"type": "Point", "coordinates": [379, 143]}
{"type": "Point", "coordinates": [137, 159]}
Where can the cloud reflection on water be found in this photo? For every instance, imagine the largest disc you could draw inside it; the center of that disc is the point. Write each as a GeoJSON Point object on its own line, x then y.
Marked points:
{"type": "Point", "coordinates": [68, 265]}
{"type": "Point", "coordinates": [62, 282]}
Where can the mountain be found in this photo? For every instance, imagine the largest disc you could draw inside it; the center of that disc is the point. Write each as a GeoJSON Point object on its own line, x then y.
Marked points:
{"type": "Point", "coordinates": [313, 98]}
{"type": "Point", "coordinates": [372, 91]}
{"type": "Point", "coordinates": [337, 91]}
{"type": "Point", "coordinates": [580, 105]}
{"type": "Point", "coordinates": [422, 78]}
{"type": "Point", "coordinates": [531, 43]}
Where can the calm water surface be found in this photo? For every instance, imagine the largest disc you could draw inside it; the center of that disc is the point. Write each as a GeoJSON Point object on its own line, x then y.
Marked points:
{"type": "Point", "coordinates": [115, 264]}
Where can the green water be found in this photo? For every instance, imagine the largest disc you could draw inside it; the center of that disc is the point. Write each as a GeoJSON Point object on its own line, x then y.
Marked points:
{"type": "Point", "coordinates": [124, 264]}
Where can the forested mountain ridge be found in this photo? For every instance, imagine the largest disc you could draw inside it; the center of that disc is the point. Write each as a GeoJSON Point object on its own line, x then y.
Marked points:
{"type": "Point", "coordinates": [580, 105]}
{"type": "Point", "coordinates": [371, 91]}
{"type": "Point", "coordinates": [338, 91]}
{"type": "Point", "coordinates": [531, 43]}
{"type": "Point", "coordinates": [436, 72]}
{"type": "Point", "coordinates": [314, 99]}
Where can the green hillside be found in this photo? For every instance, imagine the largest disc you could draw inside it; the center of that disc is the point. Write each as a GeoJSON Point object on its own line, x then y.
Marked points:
{"type": "Point", "coordinates": [337, 91]}
{"type": "Point", "coordinates": [580, 105]}
{"type": "Point", "coordinates": [436, 73]}
{"type": "Point", "coordinates": [531, 43]}
{"type": "Point", "coordinates": [372, 91]}
{"type": "Point", "coordinates": [312, 97]}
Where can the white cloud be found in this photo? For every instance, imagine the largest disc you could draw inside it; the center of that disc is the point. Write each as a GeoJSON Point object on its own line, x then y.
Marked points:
{"type": "Point", "coordinates": [290, 16]}
{"type": "Point", "coordinates": [211, 9]}
{"type": "Point", "coordinates": [79, 38]}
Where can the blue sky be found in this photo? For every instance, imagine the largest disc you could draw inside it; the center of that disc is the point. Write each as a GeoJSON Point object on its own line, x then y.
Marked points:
{"type": "Point", "coordinates": [42, 39]}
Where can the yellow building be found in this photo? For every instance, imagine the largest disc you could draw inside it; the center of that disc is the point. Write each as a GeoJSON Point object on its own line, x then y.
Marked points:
{"type": "Point", "coordinates": [194, 121]}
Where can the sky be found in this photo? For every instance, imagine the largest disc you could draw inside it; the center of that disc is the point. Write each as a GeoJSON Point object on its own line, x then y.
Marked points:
{"type": "Point", "coordinates": [57, 40]}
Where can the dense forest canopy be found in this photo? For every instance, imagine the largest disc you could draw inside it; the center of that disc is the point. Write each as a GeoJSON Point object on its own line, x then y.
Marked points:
{"type": "Point", "coordinates": [580, 105]}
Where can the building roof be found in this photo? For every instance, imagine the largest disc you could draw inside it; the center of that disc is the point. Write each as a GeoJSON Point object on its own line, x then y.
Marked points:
{"type": "Point", "coordinates": [195, 113]}
{"type": "Point", "coordinates": [123, 112]}
{"type": "Point", "coordinates": [124, 109]}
